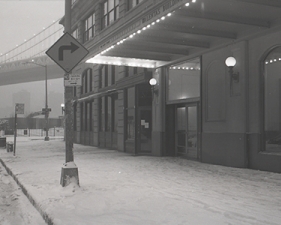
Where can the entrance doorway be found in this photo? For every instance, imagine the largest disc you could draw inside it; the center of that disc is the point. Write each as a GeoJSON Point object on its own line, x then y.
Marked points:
{"type": "Point", "coordinates": [138, 119]}
{"type": "Point", "coordinates": [144, 142]}
{"type": "Point", "coordinates": [187, 131]}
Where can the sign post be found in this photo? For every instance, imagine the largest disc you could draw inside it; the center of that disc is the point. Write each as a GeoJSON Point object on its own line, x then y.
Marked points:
{"type": "Point", "coordinates": [67, 52]}
{"type": "Point", "coordinates": [19, 109]}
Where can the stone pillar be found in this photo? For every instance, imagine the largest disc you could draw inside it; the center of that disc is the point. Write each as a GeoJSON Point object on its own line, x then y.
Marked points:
{"type": "Point", "coordinates": [158, 112]}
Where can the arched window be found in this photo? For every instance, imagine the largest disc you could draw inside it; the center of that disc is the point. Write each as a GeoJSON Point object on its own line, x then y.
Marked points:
{"type": "Point", "coordinates": [272, 101]}
{"type": "Point", "coordinates": [87, 81]}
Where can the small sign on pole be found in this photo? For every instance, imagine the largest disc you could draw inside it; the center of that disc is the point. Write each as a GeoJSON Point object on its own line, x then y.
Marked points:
{"type": "Point", "coordinates": [19, 108]}
{"type": "Point", "coordinates": [72, 80]}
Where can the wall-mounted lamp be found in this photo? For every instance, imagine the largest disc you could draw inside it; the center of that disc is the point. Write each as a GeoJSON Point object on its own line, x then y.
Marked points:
{"type": "Point", "coordinates": [62, 108]}
{"type": "Point", "coordinates": [153, 83]}
{"type": "Point", "coordinates": [230, 62]}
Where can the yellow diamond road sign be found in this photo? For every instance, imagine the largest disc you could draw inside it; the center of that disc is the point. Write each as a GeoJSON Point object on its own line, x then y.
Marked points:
{"type": "Point", "coordinates": [67, 52]}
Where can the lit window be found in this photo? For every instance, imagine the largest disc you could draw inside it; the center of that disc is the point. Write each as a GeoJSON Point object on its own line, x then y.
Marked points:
{"type": "Point", "coordinates": [110, 12]}
{"type": "Point", "coordinates": [89, 27]}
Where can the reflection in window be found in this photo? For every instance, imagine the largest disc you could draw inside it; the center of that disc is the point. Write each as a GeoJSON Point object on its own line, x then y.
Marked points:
{"type": "Point", "coordinates": [184, 80]}
{"type": "Point", "coordinates": [272, 98]}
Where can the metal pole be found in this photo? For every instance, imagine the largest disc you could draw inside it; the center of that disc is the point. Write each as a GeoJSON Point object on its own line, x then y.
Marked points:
{"type": "Point", "coordinates": [68, 95]}
{"type": "Point", "coordinates": [46, 105]}
{"type": "Point", "coordinates": [15, 134]}
{"type": "Point", "coordinates": [68, 173]}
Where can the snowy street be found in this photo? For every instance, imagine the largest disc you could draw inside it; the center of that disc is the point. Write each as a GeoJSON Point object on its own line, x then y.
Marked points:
{"type": "Point", "coordinates": [118, 188]}
{"type": "Point", "coordinates": [15, 209]}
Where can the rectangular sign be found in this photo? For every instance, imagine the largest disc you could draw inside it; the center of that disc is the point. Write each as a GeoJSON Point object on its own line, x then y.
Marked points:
{"type": "Point", "coordinates": [19, 109]}
{"type": "Point", "coordinates": [72, 80]}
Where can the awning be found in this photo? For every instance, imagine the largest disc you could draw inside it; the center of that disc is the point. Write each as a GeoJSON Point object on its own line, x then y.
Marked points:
{"type": "Point", "coordinates": [175, 30]}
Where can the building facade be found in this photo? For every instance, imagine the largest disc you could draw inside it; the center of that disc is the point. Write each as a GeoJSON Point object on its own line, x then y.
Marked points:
{"type": "Point", "coordinates": [157, 82]}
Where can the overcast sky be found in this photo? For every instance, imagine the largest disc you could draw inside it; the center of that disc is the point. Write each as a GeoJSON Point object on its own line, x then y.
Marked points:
{"type": "Point", "coordinates": [20, 19]}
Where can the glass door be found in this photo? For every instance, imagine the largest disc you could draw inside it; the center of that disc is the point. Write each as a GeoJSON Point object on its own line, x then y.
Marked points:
{"type": "Point", "coordinates": [187, 131]}
{"type": "Point", "coordinates": [144, 130]}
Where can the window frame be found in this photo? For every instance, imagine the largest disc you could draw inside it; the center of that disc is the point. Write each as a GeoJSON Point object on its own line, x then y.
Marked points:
{"type": "Point", "coordinates": [105, 20]}
{"type": "Point", "coordinates": [89, 30]}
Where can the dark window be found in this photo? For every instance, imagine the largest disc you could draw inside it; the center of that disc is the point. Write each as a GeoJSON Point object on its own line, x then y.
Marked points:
{"type": "Point", "coordinates": [126, 71]}
{"type": "Point", "coordinates": [130, 113]}
{"type": "Point", "coordinates": [89, 27]}
{"type": "Point", "coordinates": [133, 3]}
{"type": "Point", "coordinates": [87, 81]}
{"type": "Point", "coordinates": [107, 75]}
{"type": "Point", "coordinates": [107, 113]}
{"type": "Point", "coordinates": [110, 12]}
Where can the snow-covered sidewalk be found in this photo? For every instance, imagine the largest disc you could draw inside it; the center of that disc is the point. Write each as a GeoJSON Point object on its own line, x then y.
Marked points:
{"type": "Point", "coordinates": [117, 188]}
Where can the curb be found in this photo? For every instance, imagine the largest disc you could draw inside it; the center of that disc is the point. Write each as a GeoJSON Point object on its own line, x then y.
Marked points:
{"type": "Point", "coordinates": [44, 215]}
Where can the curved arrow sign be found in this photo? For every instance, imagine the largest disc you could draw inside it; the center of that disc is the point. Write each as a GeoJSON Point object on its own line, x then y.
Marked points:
{"type": "Point", "coordinates": [72, 47]}
{"type": "Point", "coordinates": [67, 52]}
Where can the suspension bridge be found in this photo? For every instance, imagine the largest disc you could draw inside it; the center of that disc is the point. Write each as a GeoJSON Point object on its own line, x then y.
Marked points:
{"type": "Point", "coordinates": [24, 62]}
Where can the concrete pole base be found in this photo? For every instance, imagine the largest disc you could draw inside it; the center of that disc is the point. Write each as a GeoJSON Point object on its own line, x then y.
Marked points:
{"type": "Point", "coordinates": [69, 174]}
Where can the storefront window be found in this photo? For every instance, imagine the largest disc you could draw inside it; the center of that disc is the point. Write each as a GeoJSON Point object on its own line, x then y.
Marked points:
{"type": "Point", "coordinates": [184, 80]}
{"type": "Point", "coordinates": [272, 101]}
